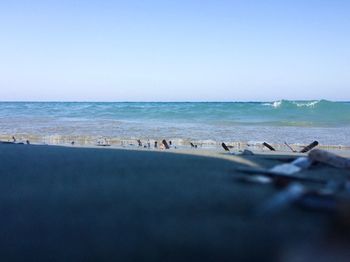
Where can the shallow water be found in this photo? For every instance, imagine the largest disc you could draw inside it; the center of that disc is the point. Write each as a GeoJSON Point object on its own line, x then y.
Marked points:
{"type": "Point", "coordinates": [208, 123]}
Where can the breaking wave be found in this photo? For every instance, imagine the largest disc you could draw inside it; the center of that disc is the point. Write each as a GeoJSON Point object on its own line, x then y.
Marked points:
{"type": "Point", "coordinates": [305, 104]}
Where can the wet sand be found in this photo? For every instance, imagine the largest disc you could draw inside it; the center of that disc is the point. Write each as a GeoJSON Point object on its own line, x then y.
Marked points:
{"type": "Point", "coordinates": [95, 204]}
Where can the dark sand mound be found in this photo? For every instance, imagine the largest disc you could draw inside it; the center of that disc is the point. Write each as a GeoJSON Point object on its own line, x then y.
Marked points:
{"type": "Point", "coordinates": [79, 204]}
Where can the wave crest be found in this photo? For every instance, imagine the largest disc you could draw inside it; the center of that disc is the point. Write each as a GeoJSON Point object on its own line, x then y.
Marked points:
{"type": "Point", "coordinates": [301, 104]}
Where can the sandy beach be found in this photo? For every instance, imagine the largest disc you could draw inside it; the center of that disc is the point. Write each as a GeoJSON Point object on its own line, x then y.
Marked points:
{"type": "Point", "coordinates": [87, 204]}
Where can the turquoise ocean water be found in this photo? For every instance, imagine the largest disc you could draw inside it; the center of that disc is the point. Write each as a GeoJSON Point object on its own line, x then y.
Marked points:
{"type": "Point", "coordinates": [207, 122]}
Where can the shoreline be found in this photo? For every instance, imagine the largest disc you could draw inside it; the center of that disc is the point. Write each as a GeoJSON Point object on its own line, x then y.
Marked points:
{"type": "Point", "coordinates": [178, 144]}
{"type": "Point", "coordinates": [236, 149]}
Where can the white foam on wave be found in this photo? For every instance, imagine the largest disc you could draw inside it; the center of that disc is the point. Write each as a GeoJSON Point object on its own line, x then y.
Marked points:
{"type": "Point", "coordinates": [307, 104]}
{"type": "Point", "coordinates": [277, 104]}
{"type": "Point", "coordinates": [280, 103]}
{"type": "Point", "coordinates": [274, 104]}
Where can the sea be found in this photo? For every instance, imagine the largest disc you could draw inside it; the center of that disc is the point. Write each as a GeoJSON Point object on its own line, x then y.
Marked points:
{"type": "Point", "coordinates": [203, 123]}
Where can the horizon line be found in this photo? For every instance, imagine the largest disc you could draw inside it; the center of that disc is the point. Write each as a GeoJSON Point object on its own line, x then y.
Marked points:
{"type": "Point", "coordinates": [158, 101]}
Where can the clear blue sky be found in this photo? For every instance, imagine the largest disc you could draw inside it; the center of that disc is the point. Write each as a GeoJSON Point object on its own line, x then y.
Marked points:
{"type": "Point", "coordinates": [180, 50]}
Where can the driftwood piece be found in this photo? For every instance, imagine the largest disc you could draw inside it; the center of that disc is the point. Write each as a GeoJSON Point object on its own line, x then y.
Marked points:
{"type": "Point", "coordinates": [329, 158]}
{"type": "Point", "coordinates": [274, 174]}
{"type": "Point", "coordinates": [225, 147]}
{"type": "Point", "coordinates": [309, 147]}
{"type": "Point", "coordinates": [256, 179]}
{"type": "Point", "coordinates": [291, 148]}
{"type": "Point", "coordinates": [268, 146]}
{"type": "Point", "coordinates": [165, 143]}
{"type": "Point", "coordinates": [302, 162]}
{"type": "Point", "coordinates": [287, 169]}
